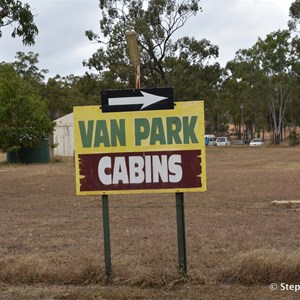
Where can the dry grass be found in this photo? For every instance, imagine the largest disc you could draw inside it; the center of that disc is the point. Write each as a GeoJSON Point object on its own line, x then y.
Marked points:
{"type": "Point", "coordinates": [237, 241]}
{"type": "Point", "coordinates": [263, 266]}
{"type": "Point", "coordinates": [52, 269]}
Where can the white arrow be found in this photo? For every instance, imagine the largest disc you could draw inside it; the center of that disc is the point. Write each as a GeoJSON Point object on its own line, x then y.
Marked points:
{"type": "Point", "coordinates": [147, 99]}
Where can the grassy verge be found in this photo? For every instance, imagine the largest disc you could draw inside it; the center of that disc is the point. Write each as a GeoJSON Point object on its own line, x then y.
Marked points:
{"type": "Point", "coordinates": [263, 266]}
{"type": "Point", "coordinates": [67, 270]}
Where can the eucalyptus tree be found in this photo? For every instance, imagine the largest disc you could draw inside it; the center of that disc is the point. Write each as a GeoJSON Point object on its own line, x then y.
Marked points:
{"type": "Point", "coordinates": [62, 93]}
{"type": "Point", "coordinates": [156, 22]}
{"type": "Point", "coordinates": [293, 112]}
{"type": "Point", "coordinates": [294, 14]}
{"type": "Point", "coordinates": [278, 57]}
{"type": "Point", "coordinates": [26, 65]}
{"type": "Point", "coordinates": [244, 89]}
{"type": "Point", "coordinates": [19, 16]}
{"type": "Point", "coordinates": [272, 62]}
{"type": "Point", "coordinates": [233, 93]}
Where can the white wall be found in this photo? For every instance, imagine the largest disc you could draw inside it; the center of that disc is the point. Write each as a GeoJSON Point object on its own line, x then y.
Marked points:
{"type": "Point", "coordinates": [64, 136]}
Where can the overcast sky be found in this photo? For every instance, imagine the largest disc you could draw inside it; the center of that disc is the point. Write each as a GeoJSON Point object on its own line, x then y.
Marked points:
{"type": "Point", "coordinates": [62, 45]}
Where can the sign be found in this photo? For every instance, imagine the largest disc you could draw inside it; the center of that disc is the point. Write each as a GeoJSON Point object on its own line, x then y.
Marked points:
{"type": "Point", "coordinates": [151, 151]}
{"type": "Point", "coordinates": [137, 100]}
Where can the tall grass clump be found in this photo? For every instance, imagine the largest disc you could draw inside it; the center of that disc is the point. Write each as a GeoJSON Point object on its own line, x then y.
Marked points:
{"type": "Point", "coordinates": [146, 276]}
{"type": "Point", "coordinates": [50, 270]}
{"type": "Point", "coordinates": [263, 266]}
{"type": "Point", "coordinates": [81, 270]}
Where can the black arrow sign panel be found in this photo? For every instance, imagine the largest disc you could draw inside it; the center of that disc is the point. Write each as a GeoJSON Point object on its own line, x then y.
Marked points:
{"type": "Point", "coordinates": [137, 100]}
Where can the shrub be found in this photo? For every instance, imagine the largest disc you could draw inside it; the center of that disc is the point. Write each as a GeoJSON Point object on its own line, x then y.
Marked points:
{"type": "Point", "coordinates": [294, 138]}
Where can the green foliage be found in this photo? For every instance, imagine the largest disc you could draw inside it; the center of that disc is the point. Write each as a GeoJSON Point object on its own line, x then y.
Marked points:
{"type": "Point", "coordinates": [26, 66]}
{"type": "Point", "coordinates": [15, 12]}
{"type": "Point", "coordinates": [62, 93]}
{"type": "Point", "coordinates": [23, 117]}
{"type": "Point", "coordinates": [245, 94]}
{"type": "Point", "coordinates": [155, 22]}
{"type": "Point", "coordinates": [266, 74]}
{"type": "Point", "coordinates": [257, 91]}
{"type": "Point", "coordinates": [294, 15]}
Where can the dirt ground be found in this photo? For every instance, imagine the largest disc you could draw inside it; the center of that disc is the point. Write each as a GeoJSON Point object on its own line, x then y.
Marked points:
{"type": "Point", "coordinates": [49, 236]}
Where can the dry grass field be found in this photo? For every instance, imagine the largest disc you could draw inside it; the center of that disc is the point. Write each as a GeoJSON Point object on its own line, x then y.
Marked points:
{"type": "Point", "coordinates": [238, 243]}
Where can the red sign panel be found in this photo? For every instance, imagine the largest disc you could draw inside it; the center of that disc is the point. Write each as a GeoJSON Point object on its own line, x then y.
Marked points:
{"type": "Point", "coordinates": [140, 170]}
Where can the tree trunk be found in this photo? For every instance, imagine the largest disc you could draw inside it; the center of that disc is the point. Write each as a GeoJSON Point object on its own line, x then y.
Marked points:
{"type": "Point", "coordinates": [277, 138]}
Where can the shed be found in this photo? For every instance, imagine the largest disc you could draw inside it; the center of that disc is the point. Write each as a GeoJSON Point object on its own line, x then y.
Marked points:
{"type": "Point", "coordinates": [63, 136]}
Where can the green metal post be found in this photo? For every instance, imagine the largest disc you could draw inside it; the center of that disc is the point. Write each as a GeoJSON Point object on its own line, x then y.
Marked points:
{"type": "Point", "coordinates": [181, 233]}
{"type": "Point", "coordinates": [106, 233]}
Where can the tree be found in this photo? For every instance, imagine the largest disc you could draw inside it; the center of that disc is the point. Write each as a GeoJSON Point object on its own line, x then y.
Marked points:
{"type": "Point", "coordinates": [15, 12]}
{"type": "Point", "coordinates": [294, 22]}
{"type": "Point", "coordinates": [55, 94]}
{"type": "Point", "coordinates": [244, 88]}
{"type": "Point", "coordinates": [276, 55]}
{"type": "Point", "coordinates": [26, 66]}
{"type": "Point", "coordinates": [23, 116]}
{"type": "Point", "coordinates": [155, 23]}
{"type": "Point", "coordinates": [85, 90]}
{"type": "Point", "coordinates": [271, 64]}
{"type": "Point", "coordinates": [189, 69]}
{"type": "Point", "coordinates": [62, 93]}
{"type": "Point", "coordinates": [294, 14]}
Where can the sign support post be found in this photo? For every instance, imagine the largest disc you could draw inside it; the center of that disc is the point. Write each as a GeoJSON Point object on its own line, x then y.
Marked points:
{"type": "Point", "coordinates": [106, 233]}
{"type": "Point", "coordinates": [181, 233]}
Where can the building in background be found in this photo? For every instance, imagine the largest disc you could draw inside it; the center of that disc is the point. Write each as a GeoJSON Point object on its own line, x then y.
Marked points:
{"type": "Point", "coordinates": [63, 136]}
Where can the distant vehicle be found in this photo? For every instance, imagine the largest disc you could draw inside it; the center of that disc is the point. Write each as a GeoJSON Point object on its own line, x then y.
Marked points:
{"type": "Point", "coordinates": [240, 142]}
{"type": "Point", "coordinates": [256, 142]}
{"type": "Point", "coordinates": [223, 141]}
{"type": "Point", "coordinates": [210, 140]}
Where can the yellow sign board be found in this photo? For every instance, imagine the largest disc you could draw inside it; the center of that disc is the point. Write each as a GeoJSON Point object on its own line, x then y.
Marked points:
{"type": "Point", "coordinates": [151, 151]}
